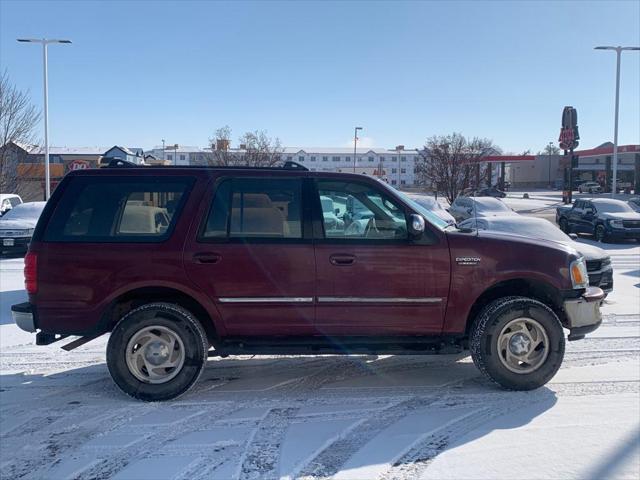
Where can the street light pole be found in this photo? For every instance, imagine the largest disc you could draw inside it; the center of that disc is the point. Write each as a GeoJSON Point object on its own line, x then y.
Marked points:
{"type": "Point", "coordinates": [550, 149]}
{"type": "Point", "coordinates": [355, 146]}
{"type": "Point", "coordinates": [45, 42]}
{"type": "Point", "coordinates": [618, 51]}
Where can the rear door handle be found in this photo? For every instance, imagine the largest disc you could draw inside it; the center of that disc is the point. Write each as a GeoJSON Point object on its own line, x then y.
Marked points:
{"type": "Point", "coordinates": [207, 257]}
{"type": "Point", "coordinates": [342, 260]}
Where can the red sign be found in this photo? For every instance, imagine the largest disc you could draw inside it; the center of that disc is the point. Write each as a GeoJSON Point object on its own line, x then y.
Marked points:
{"type": "Point", "coordinates": [569, 129]}
{"type": "Point", "coordinates": [78, 165]}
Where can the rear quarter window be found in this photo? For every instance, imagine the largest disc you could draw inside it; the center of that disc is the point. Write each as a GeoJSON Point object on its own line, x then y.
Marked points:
{"type": "Point", "coordinates": [112, 209]}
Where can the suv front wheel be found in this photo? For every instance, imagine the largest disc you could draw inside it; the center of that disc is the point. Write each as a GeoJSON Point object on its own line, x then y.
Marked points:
{"type": "Point", "coordinates": [518, 343]}
{"type": "Point", "coordinates": [157, 352]}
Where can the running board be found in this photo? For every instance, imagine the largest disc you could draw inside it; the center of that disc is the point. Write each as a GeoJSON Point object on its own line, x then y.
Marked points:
{"type": "Point", "coordinates": [333, 346]}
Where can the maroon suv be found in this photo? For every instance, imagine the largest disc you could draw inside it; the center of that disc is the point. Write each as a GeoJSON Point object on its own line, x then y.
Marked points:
{"type": "Point", "coordinates": [183, 263]}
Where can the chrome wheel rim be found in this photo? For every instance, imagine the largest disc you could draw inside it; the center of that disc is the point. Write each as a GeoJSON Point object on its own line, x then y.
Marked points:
{"type": "Point", "coordinates": [155, 354]}
{"type": "Point", "coordinates": [523, 345]}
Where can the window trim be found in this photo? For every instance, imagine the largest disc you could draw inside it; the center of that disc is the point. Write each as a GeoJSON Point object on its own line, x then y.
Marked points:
{"type": "Point", "coordinates": [305, 217]}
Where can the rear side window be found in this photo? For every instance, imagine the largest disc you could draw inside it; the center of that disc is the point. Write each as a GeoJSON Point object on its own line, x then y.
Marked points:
{"type": "Point", "coordinates": [111, 209]}
{"type": "Point", "coordinates": [255, 208]}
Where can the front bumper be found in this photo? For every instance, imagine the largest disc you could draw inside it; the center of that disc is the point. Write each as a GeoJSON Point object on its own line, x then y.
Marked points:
{"type": "Point", "coordinates": [14, 244]}
{"type": "Point", "coordinates": [23, 316]}
{"type": "Point", "coordinates": [583, 314]}
{"type": "Point", "coordinates": [624, 232]}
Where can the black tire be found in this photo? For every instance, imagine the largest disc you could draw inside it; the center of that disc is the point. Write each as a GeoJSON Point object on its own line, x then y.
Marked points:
{"type": "Point", "coordinates": [600, 234]}
{"type": "Point", "coordinates": [487, 328]}
{"type": "Point", "coordinates": [564, 226]}
{"type": "Point", "coordinates": [169, 316]}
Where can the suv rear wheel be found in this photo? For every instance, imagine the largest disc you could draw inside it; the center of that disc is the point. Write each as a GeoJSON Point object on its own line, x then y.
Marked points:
{"type": "Point", "coordinates": [157, 352]}
{"type": "Point", "coordinates": [518, 343]}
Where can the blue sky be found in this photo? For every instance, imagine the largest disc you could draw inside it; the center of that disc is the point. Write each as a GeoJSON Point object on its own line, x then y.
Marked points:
{"type": "Point", "coordinates": [308, 72]}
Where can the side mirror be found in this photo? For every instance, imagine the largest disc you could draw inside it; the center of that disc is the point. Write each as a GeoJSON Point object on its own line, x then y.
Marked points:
{"type": "Point", "coordinates": [416, 225]}
{"type": "Point", "coordinates": [336, 211]}
{"type": "Point", "coordinates": [573, 236]}
{"type": "Point", "coordinates": [588, 211]}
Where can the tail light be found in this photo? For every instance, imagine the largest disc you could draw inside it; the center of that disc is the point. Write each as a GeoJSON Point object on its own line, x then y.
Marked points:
{"type": "Point", "coordinates": [31, 272]}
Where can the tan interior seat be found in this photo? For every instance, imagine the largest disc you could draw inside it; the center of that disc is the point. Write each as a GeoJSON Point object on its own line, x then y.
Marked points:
{"type": "Point", "coordinates": [260, 216]}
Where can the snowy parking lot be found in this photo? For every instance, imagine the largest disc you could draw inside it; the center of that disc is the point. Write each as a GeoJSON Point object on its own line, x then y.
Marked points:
{"type": "Point", "coordinates": [357, 417]}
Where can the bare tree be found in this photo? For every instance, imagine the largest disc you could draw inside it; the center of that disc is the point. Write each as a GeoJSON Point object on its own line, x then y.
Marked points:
{"type": "Point", "coordinates": [18, 119]}
{"type": "Point", "coordinates": [257, 149]}
{"type": "Point", "coordinates": [449, 162]}
{"type": "Point", "coordinates": [550, 149]}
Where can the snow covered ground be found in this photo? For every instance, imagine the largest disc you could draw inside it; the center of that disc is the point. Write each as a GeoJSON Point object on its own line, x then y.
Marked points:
{"type": "Point", "coordinates": [358, 417]}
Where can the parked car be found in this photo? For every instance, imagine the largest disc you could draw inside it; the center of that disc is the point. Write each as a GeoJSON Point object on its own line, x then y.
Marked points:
{"type": "Point", "coordinates": [598, 261]}
{"type": "Point", "coordinates": [246, 266]}
{"type": "Point", "coordinates": [432, 205]}
{"type": "Point", "coordinates": [17, 225]}
{"type": "Point", "coordinates": [330, 214]}
{"type": "Point", "coordinates": [590, 187]}
{"type": "Point", "coordinates": [491, 192]}
{"type": "Point", "coordinates": [606, 219]}
{"type": "Point", "coordinates": [467, 207]}
{"type": "Point", "coordinates": [8, 201]}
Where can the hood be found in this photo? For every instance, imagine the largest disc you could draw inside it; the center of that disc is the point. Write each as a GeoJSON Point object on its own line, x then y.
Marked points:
{"type": "Point", "coordinates": [17, 224]}
{"type": "Point", "coordinates": [590, 252]}
{"type": "Point", "coordinates": [568, 247]}
{"type": "Point", "coordinates": [620, 215]}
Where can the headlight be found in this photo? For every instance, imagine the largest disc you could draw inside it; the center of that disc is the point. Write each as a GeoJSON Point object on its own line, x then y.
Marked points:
{"type": "Point", "coordinates": [29, 232]}
{"type": "Point", "coordinates": [579, 277]}
{"type": "Point", "coordinates": [616, 223]}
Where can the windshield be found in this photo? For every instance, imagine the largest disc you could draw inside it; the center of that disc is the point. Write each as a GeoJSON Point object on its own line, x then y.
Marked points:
{"type": "Point", "coordinates": [613, 207]}
{"type": "Point", "coordinates": [431, 217]}
{"type": "Point", "coordinates": [24, 211]}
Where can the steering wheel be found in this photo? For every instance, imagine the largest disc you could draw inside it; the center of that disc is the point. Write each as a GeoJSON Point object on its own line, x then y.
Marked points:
{"type": "Point", "coordinates": [371, 227]}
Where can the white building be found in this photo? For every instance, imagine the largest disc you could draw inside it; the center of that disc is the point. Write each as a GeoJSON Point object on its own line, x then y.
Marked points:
{"type": "Point", "coordinates": [180, 155]}
{"type": "Point", "coordinates": [397, 167]}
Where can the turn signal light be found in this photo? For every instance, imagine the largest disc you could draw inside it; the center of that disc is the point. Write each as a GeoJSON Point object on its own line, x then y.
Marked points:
{"type": "Point", "coordinates": [579, 274]}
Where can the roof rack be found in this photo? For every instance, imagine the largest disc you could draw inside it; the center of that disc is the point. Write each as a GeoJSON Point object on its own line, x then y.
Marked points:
{"type": "Point", "coordinates": [118, 162]}
{"type": "Point", "coordinates": [115, 162]}
{"type": "Point", "coordinates": [291, 165]}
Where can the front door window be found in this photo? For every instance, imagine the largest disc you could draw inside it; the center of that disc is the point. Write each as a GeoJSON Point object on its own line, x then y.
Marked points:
{"type": "Point", "coordinates": [355, 211]}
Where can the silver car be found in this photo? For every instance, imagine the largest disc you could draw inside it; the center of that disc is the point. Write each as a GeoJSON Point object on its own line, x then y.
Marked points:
{"type": "Point", "coordinates": [468, 207]}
